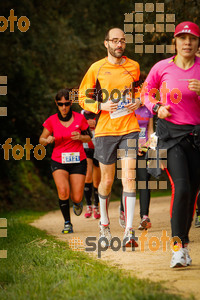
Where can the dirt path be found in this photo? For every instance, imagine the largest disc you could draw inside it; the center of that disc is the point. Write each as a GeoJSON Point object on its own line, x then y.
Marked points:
{"type": "Point", "coordinates": [144, 263]}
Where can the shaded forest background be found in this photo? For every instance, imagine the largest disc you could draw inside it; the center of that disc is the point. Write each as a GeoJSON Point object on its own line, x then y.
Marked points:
{"type": "Point", "coordinates": [64, 39]}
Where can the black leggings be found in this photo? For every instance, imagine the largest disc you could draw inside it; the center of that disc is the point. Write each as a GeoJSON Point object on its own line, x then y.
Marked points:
{"type": "Point", "coordinates": [143, 176]}
{"type": "Point", "coordinates": [183, 168]}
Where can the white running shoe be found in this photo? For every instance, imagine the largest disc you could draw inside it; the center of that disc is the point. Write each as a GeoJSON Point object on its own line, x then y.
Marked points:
{"type": "Point", "coordinates": [188, 258]}
{"type": "Point", "coordinates": [178, 259]}
{"type": "Point", "coordinates": [105, 234]}
{"type": "Point", "coordinates": [129, 239]}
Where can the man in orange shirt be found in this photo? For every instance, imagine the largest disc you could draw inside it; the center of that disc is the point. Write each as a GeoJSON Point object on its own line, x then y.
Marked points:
{"type": "Point", "coordinates": [106, 91]}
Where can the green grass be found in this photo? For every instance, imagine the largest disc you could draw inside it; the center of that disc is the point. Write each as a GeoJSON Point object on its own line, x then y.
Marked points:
{"type": "Point", "coordinates": [160, 193]}
{"type": "Point", "coordinates": [40, 267]}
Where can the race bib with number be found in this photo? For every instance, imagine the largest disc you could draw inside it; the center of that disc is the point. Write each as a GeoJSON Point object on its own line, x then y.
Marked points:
{"type": "Point", "coordinates": [121, 110]}
{"type": "Point", "coordinates": [70, 157]}
{"type": "Point", "coordinates": [142, 133]}
{"type": "Point", "coordinates": [142, 136]}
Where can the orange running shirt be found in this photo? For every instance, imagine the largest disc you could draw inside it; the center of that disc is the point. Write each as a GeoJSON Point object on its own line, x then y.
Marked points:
{"type": "Point", "coordinates": [104, 76]}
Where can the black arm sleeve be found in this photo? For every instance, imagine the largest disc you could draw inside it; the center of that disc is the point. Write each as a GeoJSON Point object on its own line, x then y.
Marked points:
{"type": "Point", "coordinates": [87, 132]}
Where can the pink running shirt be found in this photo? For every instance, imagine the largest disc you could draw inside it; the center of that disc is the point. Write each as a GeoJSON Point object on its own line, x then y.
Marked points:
{"type": "Point", "coordinates": [62, 134]}
{"type": "Point", "coordinates": [184, 104]}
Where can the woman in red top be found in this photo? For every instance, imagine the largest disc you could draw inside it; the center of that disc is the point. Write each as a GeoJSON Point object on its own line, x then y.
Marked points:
{"type": "Point", "coordinates": [68, 131]}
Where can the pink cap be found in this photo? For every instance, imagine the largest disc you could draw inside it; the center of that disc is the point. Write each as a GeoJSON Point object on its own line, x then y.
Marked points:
{"type": "Point", "coordinates": [187, 27]}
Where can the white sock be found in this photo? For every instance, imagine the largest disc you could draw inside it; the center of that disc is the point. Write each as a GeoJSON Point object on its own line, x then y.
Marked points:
{"type": "Point", "coordinates": [129, 207]}
{"type": "Point", "coordinates": [104, 202]}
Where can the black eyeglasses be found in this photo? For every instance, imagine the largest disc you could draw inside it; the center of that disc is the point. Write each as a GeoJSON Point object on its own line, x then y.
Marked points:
{"type": "Point", "coordinates": [117, 41]}
{"type": "Point", "coordinates": [65, 103]}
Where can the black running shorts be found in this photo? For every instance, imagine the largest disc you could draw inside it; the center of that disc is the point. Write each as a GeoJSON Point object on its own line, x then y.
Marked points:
{"type": "Point", "coordinates": [74, 168]}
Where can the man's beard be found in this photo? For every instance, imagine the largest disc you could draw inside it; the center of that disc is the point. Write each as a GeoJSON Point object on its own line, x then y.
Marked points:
{"type": "Point", "coordinates": [113, 53]}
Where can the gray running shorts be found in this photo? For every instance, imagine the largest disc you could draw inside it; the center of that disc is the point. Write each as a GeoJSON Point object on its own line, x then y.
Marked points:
{"type": "Point", "coordinates": [109, 148]}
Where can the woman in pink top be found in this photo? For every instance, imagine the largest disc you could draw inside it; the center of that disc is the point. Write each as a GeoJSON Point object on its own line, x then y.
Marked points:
{"type": "Point", "coordinates": [68, 131]}
{"type": "Point", "coordinates": [178, 129]}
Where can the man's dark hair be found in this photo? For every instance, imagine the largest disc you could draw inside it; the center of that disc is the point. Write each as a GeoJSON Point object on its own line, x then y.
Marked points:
{"type": "Point", "coordinates": [108, 32]}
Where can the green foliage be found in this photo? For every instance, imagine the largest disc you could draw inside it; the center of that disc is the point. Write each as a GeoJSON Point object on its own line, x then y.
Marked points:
{"type": "Point", "coordinates": [24, 188]}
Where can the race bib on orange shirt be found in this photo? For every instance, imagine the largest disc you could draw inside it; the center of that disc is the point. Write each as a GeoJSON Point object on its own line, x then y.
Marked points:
{"type": "Point", "coordinates": [121, 110]}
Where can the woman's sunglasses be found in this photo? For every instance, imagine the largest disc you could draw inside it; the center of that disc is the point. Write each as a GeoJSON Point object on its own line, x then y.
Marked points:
{"type": "Point", "coordinates": [65, 103]}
